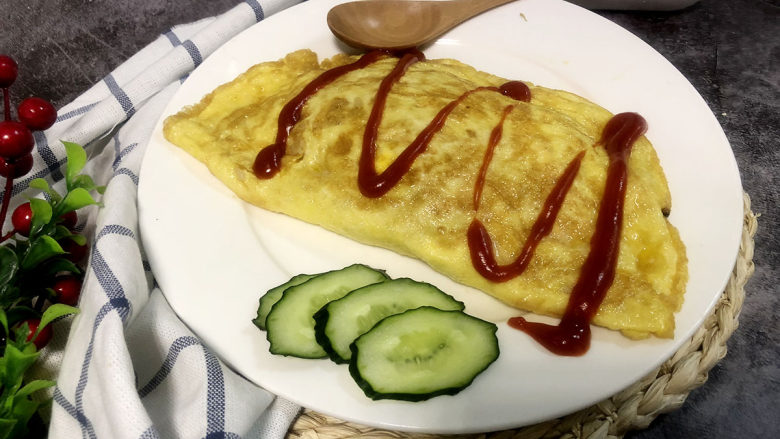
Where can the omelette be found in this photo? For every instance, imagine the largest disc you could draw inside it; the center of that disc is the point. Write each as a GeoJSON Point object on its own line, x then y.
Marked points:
{"type": "Point", "coordinates": [500, 185]}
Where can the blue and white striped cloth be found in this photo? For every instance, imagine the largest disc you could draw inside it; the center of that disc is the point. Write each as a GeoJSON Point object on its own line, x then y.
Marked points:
{"type": "Point", "coordinates": [130, 368]}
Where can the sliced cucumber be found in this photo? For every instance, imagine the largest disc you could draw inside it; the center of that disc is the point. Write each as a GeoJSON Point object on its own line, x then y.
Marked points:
{"type": "Point", "coordinates": [341, 321]}
{"type": "Point", "coordinates": [273, 295]}
{"type": "Point", "coordinates": [290, 323]}
{"type": "Point", "coordinates": [422, 353]}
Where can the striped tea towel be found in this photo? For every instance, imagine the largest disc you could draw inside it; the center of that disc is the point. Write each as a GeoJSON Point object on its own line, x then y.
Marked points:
{"type": "Point", "coordinates": [130, 368]}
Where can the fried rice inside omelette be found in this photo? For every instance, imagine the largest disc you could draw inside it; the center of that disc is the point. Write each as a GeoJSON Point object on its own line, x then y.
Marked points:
{"type": "Point", "coordinates": [427, 214]}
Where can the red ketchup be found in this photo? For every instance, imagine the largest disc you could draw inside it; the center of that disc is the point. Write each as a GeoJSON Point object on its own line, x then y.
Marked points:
{"type": "Point", "coordinates": [572, 335]}
{"type": "Point", "coordinates": [481, 245]}
{"type": "Point", "coordinates": [269, 160]}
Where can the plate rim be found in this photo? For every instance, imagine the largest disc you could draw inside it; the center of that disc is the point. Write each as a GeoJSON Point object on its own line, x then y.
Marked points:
{"type": "Point", "coordinates": [146, 221]}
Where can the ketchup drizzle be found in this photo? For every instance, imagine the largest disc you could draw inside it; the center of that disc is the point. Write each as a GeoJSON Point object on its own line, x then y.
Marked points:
{"type": "Point", "coordinates": [375, 185]}
{"type": "Point", "coordinates": [269, 160]}
{"type": "Point", "coordinates": [495, 137]}
{"type": "Point", "coordinates": [481, 245]}
{"type": "Point", "coordinates": [572, 335]}
{"type": "Point", "coordinates": [516, 90]}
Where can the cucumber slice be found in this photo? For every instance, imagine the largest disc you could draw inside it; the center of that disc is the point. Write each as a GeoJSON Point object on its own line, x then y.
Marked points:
{"type": "Point", "coordinates": [422, 353]}
{"type": "Point", "coordinates": [290, 324]}
{"type": "Point", "coordinates": [273, 295]}
{"type": "Point", "coordinates": [341, 321]}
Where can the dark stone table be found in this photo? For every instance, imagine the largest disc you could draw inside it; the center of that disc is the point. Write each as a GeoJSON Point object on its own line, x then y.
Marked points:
{"type": "Point", "coordinates": [728, 49]}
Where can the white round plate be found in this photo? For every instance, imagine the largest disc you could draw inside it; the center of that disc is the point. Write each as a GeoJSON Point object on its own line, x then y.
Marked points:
{"type": "Point", "coordinates": [214, 255]}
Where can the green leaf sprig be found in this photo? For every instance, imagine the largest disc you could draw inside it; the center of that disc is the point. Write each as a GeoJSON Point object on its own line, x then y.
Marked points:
{"type": "Point", "coordinates": [32, 263]}
{"type": "Point", "coordinates": [17, 407]}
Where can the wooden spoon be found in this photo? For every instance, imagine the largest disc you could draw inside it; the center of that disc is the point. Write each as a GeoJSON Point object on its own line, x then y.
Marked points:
{"type": "Point", "coordinates": [401, 24]}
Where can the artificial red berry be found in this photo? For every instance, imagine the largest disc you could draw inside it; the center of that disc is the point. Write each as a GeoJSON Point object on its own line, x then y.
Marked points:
{"type": "Point", "coordinates": [8, 71]}
{"type": "Point", "coordinates": [37, 113]}
{"type": "Point", "coordinates": [16, 139]}
{"type": "Point", "coordinates": [22, 219]}
{"type": "Point", "coordinates": [13, 168]}
{"type": "Point", "coordinates": [43, 337]}
{"type": "Point", "coordinates": [75, 252]}
{"type": "Point", "coordinates": [70, 219]}
{"type": "Point", "coordinates": [68, 288]}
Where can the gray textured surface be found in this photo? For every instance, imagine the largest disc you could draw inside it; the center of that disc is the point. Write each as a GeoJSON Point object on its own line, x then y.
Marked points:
{"type": "Point", "coordinates": [728, 49]}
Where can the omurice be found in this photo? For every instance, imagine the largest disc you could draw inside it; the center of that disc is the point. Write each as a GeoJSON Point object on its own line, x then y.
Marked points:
{"type": "Point", "coordinates": [535, 196]}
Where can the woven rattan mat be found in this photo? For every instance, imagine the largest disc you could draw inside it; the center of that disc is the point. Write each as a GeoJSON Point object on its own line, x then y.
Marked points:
{"type": "Point", "coordinates": [662, 391]}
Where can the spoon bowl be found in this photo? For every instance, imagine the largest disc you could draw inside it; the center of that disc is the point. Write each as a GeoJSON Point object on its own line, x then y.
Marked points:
{"type": "Point", "coordinates": [401, 24]}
